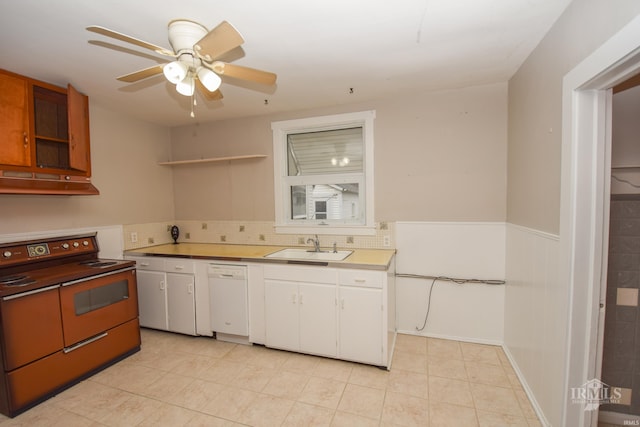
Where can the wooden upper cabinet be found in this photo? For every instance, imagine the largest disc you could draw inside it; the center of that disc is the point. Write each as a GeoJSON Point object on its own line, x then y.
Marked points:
{"type": "Point", "coordinates": [78, 112]}
{"type": "Point", "coordinates": [44, 129]}
{"type": "Point", "coordinates": [15, 147]}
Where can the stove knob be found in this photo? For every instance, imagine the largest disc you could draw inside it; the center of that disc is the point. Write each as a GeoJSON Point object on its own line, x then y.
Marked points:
{"type": "Point", "coordinates": [7, 254]}
{"type": "Point", "coordinates": [65, 246]}
{"type": "Point", "coordinates": [85, 243]}
{"type": "Point", "coordinates": [76, 244]}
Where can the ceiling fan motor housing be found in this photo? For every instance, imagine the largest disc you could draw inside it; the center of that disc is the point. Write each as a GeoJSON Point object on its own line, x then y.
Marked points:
{"type": "Point", "coordinates": [184, 34]}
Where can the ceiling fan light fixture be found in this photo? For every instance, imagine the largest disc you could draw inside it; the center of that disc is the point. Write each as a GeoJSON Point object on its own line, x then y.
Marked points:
{"type": "Point", "coordinates": [209, 79]}
{"type": "Point", "coordinates": [175, 71]}
{"type": "Point", "coordinates": [186, 87]}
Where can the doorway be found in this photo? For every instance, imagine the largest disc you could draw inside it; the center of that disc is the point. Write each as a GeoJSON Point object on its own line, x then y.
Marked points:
{"type": "Point", "coordinates": [584, 216]}
{"type": "Point", "coordinates": [621, 330]}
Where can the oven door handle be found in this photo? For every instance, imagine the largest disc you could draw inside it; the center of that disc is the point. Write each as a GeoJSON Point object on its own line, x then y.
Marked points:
{"type": "Point", "coordinates": [96, 276]}
{"type": "Point", "coordinates": [85, 342]}
{"type": "Point", "coordinates": [24, 294]}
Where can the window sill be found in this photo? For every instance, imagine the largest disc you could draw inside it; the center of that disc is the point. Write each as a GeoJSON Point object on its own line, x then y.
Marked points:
{"type": "Point", "coordinates": [326, 229]}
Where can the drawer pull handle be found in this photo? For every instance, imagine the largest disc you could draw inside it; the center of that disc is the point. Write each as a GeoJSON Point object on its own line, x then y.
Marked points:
{"type": "Point", "coordinates": [144, 264]}
{"type": "Point", "coordinates": [179, 267]}
{"type": "Point", "coordinates": [24, 294]}
{"type": "Point", "coordinates": [360, 280]}
{"type": "Point", "coordinates": [83, 343]}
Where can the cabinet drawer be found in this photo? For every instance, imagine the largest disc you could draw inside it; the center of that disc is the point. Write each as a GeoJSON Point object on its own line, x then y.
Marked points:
{"type": "Point", "coordinates": [300, 273]}
{"type": "Point", "coordinates": [178, 265]}
{"type": "Point", "coordinates": [148, 263]}
{"type": "Point", "coordinates": [362, 278]}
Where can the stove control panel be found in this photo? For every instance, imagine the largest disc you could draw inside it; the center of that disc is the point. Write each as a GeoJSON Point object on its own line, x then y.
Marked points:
{"type": "Point", "coordinates": [31, 251]}
{"type": "Point", "coordinates": [38, 250]}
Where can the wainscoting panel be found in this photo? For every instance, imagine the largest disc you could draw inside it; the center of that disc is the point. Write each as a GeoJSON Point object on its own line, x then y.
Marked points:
{"type": "Point", "coordinates": [471, 311]}
{"type": "Point", "coordinates": [535, 319]}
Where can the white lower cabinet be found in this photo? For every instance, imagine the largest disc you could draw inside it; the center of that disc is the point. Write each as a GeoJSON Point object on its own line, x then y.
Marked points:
{"type": "Point", "coordinates": [152, 297]}
{"type": "Point", "coordinates": [334, 312]}
{"type": "Point", "coordinates": [362, 316]}
{"type": "Point", "coordinates": [361, 329]}
{"type": "Point", "coordinates": [166, 294]}
{"type": "Point", "coordinates": [181, 304]}
{"type": "Point", "coordinates": [300, 309]}
{"type": "Point", "coordinates": [301, 317]}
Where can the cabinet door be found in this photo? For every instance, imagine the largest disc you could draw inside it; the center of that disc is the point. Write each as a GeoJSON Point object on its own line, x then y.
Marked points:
{"type": "Point", "coordinates": [152, 299]}
{"type": "Point", "coordinates": [281, 315]}
{"type": "Point", "coordinates": [317, 308]}
{"type": "Point", "coordinates": [181, 303]}
{"type": "Point", "coordinates": [361, 324]}
{"type": "Point", "coordinates": [78, 117]}
{"type": "Point", "coordinates": [15, 147]}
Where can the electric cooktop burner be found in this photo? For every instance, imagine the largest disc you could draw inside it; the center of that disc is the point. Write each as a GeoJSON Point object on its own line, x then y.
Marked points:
{"type": "Point", "coordinates": [97, 263]}
{"type": "Point", "coordinates": [16, 280]}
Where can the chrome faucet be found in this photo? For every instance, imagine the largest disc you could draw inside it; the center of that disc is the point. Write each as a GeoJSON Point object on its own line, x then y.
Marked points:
{"type": "Point", "coordinates": [316, 243]}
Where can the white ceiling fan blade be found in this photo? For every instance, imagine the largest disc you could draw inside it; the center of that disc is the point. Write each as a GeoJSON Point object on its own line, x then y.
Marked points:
{"type": "Point", "coordinates": [244, 73]}
{"type": "Point", "coordinates": [125, 38]}
{"type": "Point", "coordinates": [142, 74]}
{"type": "Point", "coordinates": [218, 41]}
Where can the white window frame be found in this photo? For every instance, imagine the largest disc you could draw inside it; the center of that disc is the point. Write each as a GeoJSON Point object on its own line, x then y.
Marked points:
{"type": "Point", "coordinates": [281, 130]}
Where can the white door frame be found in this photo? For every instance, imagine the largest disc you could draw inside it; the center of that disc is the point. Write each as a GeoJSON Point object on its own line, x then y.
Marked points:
{"type": "Point", "coordinates": [586, 109]}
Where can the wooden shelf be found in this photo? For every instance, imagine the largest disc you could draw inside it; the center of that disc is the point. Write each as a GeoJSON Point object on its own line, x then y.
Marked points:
{"type": "Point", "coordinates": [214, 159]}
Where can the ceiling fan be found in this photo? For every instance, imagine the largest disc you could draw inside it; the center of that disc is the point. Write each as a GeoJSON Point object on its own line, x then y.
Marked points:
{"type": "Point", "coordinates": [195, 52]}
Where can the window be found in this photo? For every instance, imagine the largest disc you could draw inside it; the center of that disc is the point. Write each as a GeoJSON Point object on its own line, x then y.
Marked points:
{"type": "Point", "coordinates": [323, 168]}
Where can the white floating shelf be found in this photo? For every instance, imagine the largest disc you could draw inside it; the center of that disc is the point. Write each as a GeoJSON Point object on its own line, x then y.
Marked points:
{"type": "Point", "coordinates": [213, 159]}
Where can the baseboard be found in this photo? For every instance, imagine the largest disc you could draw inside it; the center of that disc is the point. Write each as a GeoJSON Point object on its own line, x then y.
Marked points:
{"type": "Point", "coordinates": [453, 338]}
{"type": "Point", "coordinates": [534, 403]}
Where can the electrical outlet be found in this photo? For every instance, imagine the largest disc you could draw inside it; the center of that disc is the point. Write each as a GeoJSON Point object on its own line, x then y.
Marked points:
{"type": "Point", "coordinates": [223, 238]}
{"type": "Point", "coordinates": [301, 240]}
{"type": "Point", "coordinates": [349, 239]}
{"type": "Point", "coordinates": [187, 235]}
{"type": "Point", "coordinates": [386, 241]}
{"type": "Point", "coordinates": [261, 237]}
{"type": "Point", "coordinates": [150, 240]}
{"type": "Point", "coordinates": [241, 228]}
{"type": "Point", "coordinates": [133, 237]}
{"type": "Point", "coordinates": [169, 228]}
{"type": "Point", "coordinates": [384, 226]}
{"type": "Point", "coordinates": [204, 225]}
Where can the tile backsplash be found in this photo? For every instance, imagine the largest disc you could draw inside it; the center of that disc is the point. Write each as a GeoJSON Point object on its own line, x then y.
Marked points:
{"type": "Point", "coordinates": [248, 233]}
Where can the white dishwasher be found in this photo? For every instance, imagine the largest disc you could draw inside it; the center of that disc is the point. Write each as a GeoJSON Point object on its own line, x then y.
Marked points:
{"type": "Point", "coordinates": [228, 301]}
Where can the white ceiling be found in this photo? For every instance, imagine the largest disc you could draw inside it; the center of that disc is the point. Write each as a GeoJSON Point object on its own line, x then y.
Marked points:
{"type": "Point", "coordinates": [318, 49]}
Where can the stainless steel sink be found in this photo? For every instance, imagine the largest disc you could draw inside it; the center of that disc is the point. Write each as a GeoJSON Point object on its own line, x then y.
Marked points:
{"type": "Point", "coordinates": [307, 255]}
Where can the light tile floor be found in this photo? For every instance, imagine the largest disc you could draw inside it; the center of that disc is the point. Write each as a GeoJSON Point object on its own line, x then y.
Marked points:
{"type": "Point", "coordinates": [177, 380]}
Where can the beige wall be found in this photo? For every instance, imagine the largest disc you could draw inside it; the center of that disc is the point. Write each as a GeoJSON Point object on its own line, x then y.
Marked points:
{"type": "Point", "coordinates": [535, 102]}
{"type": "Point", "coordinates": [133, 188]}
{"type": "Point", "coordinates": [439, 156]}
